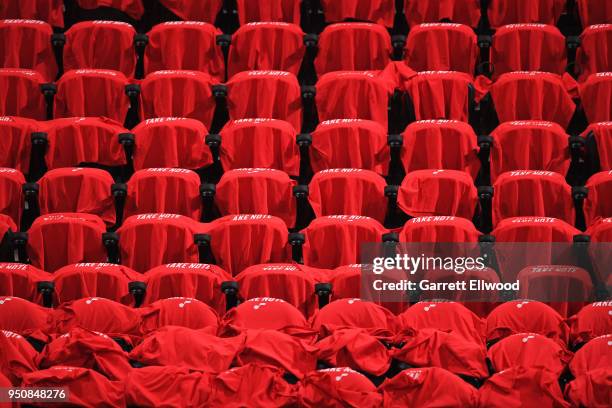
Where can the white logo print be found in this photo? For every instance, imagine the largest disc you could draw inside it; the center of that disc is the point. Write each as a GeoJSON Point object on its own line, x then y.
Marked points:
{"type": "Point", "coordinates": [520, 305]}
{"type": "Point", "coordinates": [339, 377]}
{"type": "Point", "coordinates": [182, 305]}
{"type": "Point", "coordinates": [526, 339]}
{"type": "Point", "coordinates": [91, 300]}
{"type": "Point", "coordinates": [426, 308]}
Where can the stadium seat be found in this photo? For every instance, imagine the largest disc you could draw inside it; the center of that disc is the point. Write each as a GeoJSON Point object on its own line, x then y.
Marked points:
{"type": "Point", "coordinates": [354, 313]}
{"type": "Point", "coordinates": [591, 388]}
{"type": "Point", "coordinates": [25, 318]}
{"type": "Point", "coordinates": [21, 280]}
{"type": "Point", "coordinates": [353, 47]}
{"type": "Point", "coordinates": [353, 95]}
{"type": "Point", "coordinates": [427, 386]}
{"type": "Point", "coordinates": [150, 240]}
{"type": "Point", "coordinates": [133, 8]}
{"type": "Point", "coordinates": [590, 322]}
{"type": "Point", "coordinates": [179, 311]}
{"type": "Point", "coordinates": [274, 10]}
{"type": "Point", "coordinates": [346, 233]}
{"type": "Point", "coordinates": [594, 12]}
{"type": "Point", "coordinates": [103, 280]}
{"type": "Point", "coordinates": [438, 229]}
{"type": "Point", "coordinates": [185, 45]}
{"type": "Point", "coordinates": [76, 190]}
{"type": "Point", "coordinates": [192, 280]}
{"type": "Point", "coordinates": [92, 92]}
{"type": "Point", "coordinates": [502, 12]}
{"type": "Point", "coordinates": [265, 94]}
{"type": "Point", "coordinates": [601, 236]}
{"type": "Point", "coordinates": [380, 12]}
{"type": "Point", "coordinates": [440, 144]}
{"type": "Point", "coordinates": [21, 93]}
{"type": "Point", "coordinates": [349, 143]}
{"type": "Point", "coordinates": [164, 190]}
{"type": "Point", "coordinates": [340, 386]}
{"type": "Point", "coordinates": [595, 93]}
{"type": "Point", "coordinates": [450, 47]}
{"type": "Point", "coordinates": [593, 355]}
{"type": "Point", "coordinates": [18, 357]}
{"type": "Point", "coordinates": [529, 145]}
{"type": "Point", "coordinates": [101, 45]}
{"type": "Point", "coordinates": [257, 191]}
{"type": "Point", "coordinates": [266, 46]}
{"type": "Point", "coordinates": [178, 93]}
{"type": "Point", "coordinates": [598, 205]}
{"type": "Point", "coordinates": [532, 193]}
{"type": "Point", "coordinates": [432, 11]}
{"type": "Point", "coordinates": [599, 141]}
{"type": "Point", "coordinates": [348, 192]}
{"type": "Point", "coordinates": [526, 316]}
{"type": "Point", "coordinates": [260, 143]}
{"type": "Point", "coordinates": [51, 11]}
{"type": "Point", "coordinates": [172, 143]}
{"type": "Point", "coordinates": [528, 47]}
{"type": "Point", "coordinates": [591, 56]}
{"type": "Point", "coordinates": [27, 44]}
{"type": "Point", "coordinates": [240, 241]}
{"type": "Point", "coordinates": [204, 10]}
{"type": "Point", "coordinates": [438, 192]}
{"type": "Point", "coordinates": [11, 195]}
{"type": "Point", "coordinates": [61, 239]}
{"type": "Point", "coordinates": [16, 146]}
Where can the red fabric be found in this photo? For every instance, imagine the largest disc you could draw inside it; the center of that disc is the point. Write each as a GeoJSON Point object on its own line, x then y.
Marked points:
{"type": "Point", "coordinates": [260, 143]}
{"type": "Point", "coordinates": [265, 94]}
{"type": "Point", "coordinates": [439, 229]}
{"type": "Point", "coordinates": [252, 384]}
{"type": "Point", "coordinates": [184, 347]}
{"type": "Point", "coordinates": [528, 47]}
{"type": "Point", "coordinates": [520, 386]}
{"type": "Point", "coordinates": [87, 349]}
{"type": "Point", "coordinates": [565, 288]}
{"type": "Point", "coordinates": [590, 322]}
{"type": "Point", "coordinates": [178, 93]}
{"type": "Point", "coordinates": [194, 280]}
{"type": "Point", "coordinates": [348, 192]}
{"type": "Point", "coordinates": [527, 193]}
{"type": "Point", "coordinates": [61, 239]}
{"type": "Point", "coordinates": [73, 141]}
{"type": "Point", "coordinates": [78, 190]}
{"type": "Point", "coordinates": [532, 95]}
{"type": "Point", "coordinates": [133, 8]}
{"type": "Point", "coordinates": [354, 348]}
{"type": "Point", "coordinates": [338, 387]}
{"type": "Point", "coordinates": [155, 386]}
{"type": "Point", "coordinates": [171, 142]}
{"type": "Point", "coordinates": [203, 10]}
{"type": "Point", "coordinates": [593, 355]}
{"type": "Point", "coordinates": [602, 133]}
{"type": "Point", "coordinates": [591, 389]}
{"type": "Point", "coordinates": [257, 191]}
{"type": "Point", "coordinates": [445, 316]}
{"type": "Point", "coordinates": [271, 10]}
{"type": "Point", "coordinates": [266, 46]}
{"type": "Point", "coordinates": [598, 204]}
{"type": "Point", "coordinates": [440, 144]}
{"type": "Point", "coordinates": [430, 386]}
{"type": "Point", "coordinates": [502, 12]}
{"type": "Point", "coordinates": [25, 318]}
{"type": "Point", "coordinates": [20, 94]}
{"type": "Point", "coordinates": [346, 233]}
{"type": "Point", "coordinates": [529, 145]}
{"type": "Point", "coordinates": [435, 348]}
{"type": "Point", "coordinates": [292, 283]}
{"type": "Point", "coordinates": [105, 280]}
{"type": "Point", "coordinates": [593, 54]}
{"type": "Point", "coordinates": [354, 314]}
{"type": "Point", "coordinates": [350, 143]}
{"type": "Point", "coordinates": [353, 95]}
{"type": "Point", "coordinates": [11, 196]}
{"type": "Point", "coordinates": [381, 12]}
{"type": "Point", "coordinates": [594, 12]}
{"type": "Point", "coordinates": [51, 11]}
{"type": "Point", "coordinates": [101, 45]}
{"type": "Point", "coordinates": [6, 224]}
{"type": "Point", "coordinates": [240, 241]}
{"type": "Point", "coordinates": [15, 148]}
{"type": "Point", "coordinates": [431, 11]}
{"type": "Point", "coordinates": [99, 315]}
{"type": "Point", "coordinates": [150, 240]}
{"type": "Point", "coordinates": [92, 92]}
{"type": "Point", "coordinates": [179, 311]}
{"type": "Point", "coordinates": [27, 44]}
{"type": "Point", "coordinates": [18, 357]}
{"type": "Point", "coordinates": [595, 94]}
{"type": "Point", "coordinates": [450, 47]}
{"type": "Point", "coordinates": [529, 350]}
{"type": "Point", "coordinates": [601, 256]}
{"type": "Point", "coordinates": [526, 316]}
{"type": "Point", "coordinates": [353, 47]}
{"type": "Point", "coordinates": [189, 45]}
{"type": "Point", "coordinates": [164, 190]}
{"type": "Point", "coordinates": [19, 280]}
{"type": "Point", "coordinates": [438, 192]}
{"type": "Point", "coordinates": [534, 229]}
{"type": "Point", "coordinates": [85, 386]}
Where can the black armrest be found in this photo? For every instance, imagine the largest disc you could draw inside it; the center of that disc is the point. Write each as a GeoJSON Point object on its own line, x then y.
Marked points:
{"type": "Point", "coordinates": [39, 138]}
{"type": "Point", "coordinates": [485, 192]}
{"type": "Point", "coordinates": [484, 41]}
{"type": "Point", "coordinates": [141, 40]}
{"type": "Point", "coordinates": [304, 139]}
{"type": "Point", "coordinates": [126, 139]}
{"type": "Point", "coordinates": [485, 141]}
{"type": "Point", "coordinates": [202, 239]}
{"type": "Point", "coordinates": [581, 239]}
{"type": "Point", "coordinates": [311, 40]}
{"type": "Point", "coordinates": [207, 190]}
{"type": "Point", "coordinates": [224, 40]}
{"type": "Point", "coordinates": [229, 287]}
{"type": "Point", "coordinates": [132, 90]}
{"type": "Point", "coordinates": [46, 289]}
{"type": "Point", "coordinates": [119, 190]}
{"type": "Point", "coordinates": [579, 193]}
{"type": "Point", "coordinates": [390, 237]}
{"type": "Point", "coordinates": [308, 91]}
{"type": "Point", "coordinates": [110, 240]}
{"type": "Point", "coordinates": [391, 191]}
{"type": "Point", "coordinates": [300, 191]}
{"type": "Point", "coordinates": [30, 189]}
{"type": "Point", "coordinates": [219, 91]}
{"type": "Point", "coordinates": [58, 39]}
{"type": "Point", "coordinates": [395, 140]}
{"type": "Point", "coordinates": [296, 238]}
{"type": "Point", "coordinates": [213, 140]}
{"type": "Point", "coordinates": [398, 41]}
{"type": "Point", "coordinates": [486, 239]}
{"type": "Point", "coordinates": [572, 42]}
{"type": "Point", "coordinates": [48, 89]}
{"type": "Point", "coordinates": [323, 292]}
